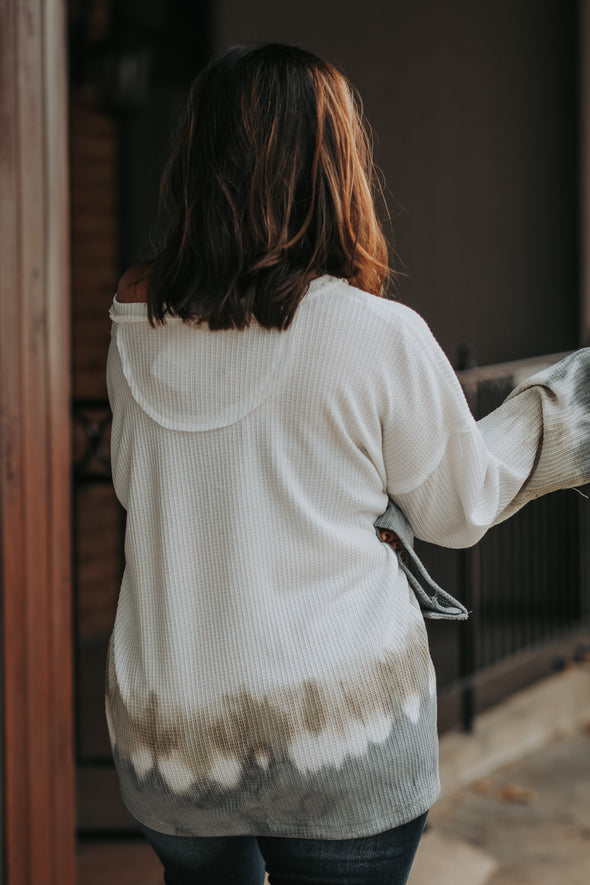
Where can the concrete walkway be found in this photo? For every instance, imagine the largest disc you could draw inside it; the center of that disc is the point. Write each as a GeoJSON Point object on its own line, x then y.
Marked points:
{"type": "Point", "coordinates": [528, 822]}
{"type": "Point", "coordinates": [515, 807]}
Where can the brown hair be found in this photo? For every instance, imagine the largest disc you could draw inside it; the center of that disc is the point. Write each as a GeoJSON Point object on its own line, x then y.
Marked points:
{"type": "Point", "coordinates": [269, 184]}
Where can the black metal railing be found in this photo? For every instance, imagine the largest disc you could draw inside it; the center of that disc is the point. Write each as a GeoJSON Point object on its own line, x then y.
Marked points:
{"type": "Point", "coordinates": [526, 584]}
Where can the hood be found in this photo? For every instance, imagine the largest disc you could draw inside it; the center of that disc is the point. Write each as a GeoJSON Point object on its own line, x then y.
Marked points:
{"type": "Point", "coordinates": [187, 377]}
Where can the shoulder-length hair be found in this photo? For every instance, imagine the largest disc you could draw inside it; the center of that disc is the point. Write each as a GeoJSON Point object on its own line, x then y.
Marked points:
{"type": "Point", "coordinates": [269, 184]}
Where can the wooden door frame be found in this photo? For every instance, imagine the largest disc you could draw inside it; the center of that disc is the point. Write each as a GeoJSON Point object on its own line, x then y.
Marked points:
{"type": "Point", "coordinates": [584, 116]}
{"type": "Point", "coordinates": [38, 818]}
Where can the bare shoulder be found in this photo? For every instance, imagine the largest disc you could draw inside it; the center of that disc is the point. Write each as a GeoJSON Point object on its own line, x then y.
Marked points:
{"type": "Point", "coordinates": [133, 284]}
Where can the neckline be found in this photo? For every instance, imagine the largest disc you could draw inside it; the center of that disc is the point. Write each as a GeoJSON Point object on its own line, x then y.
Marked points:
{"type": "Point", "coordinates": [139, 308]}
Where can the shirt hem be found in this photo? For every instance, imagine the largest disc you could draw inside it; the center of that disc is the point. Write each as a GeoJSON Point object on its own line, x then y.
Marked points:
{"type": "Point", "coordinates": [269, 828]}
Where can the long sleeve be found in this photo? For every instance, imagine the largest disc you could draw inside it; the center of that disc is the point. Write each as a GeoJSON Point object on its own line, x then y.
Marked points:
{"type": "Point", "coordinates": [464, 475]}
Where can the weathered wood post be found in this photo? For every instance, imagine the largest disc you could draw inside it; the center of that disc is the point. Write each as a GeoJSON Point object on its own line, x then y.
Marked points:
{"type": "Point", "coordinates": [37, 823]}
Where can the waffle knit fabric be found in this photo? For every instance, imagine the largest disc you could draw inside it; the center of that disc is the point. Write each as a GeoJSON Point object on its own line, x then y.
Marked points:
{"type": "Point", "coordinates": [268, 672]}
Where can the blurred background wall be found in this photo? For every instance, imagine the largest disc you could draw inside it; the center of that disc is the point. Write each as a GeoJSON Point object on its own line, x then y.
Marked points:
{"type": "Point", "coordinates": [474, 109]}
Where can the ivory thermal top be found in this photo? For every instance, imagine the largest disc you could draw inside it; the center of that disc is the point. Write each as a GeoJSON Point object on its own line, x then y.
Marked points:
{"type": "Point", "coordinates": [268, 671]}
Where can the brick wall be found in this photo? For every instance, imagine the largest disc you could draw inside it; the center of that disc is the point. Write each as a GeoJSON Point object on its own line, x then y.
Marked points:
{"type": "Point", "coordinates": [95, 270]}
{"type": "Point", "coordinates": [93, 173]}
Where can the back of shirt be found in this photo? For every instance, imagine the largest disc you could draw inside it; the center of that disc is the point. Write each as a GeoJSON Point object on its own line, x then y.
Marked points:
{"type": "Point", "coordinates": [269, 671]}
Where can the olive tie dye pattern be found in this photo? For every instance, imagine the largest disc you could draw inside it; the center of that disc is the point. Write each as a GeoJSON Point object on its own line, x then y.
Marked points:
{"type": "Point", "coordinates": [268, 672]}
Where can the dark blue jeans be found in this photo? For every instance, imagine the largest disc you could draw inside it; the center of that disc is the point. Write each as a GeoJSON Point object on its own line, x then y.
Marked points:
{"type": "Point", "coordinates": [384, 859]}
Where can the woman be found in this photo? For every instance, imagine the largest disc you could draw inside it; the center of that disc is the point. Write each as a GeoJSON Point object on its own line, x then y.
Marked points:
{"type": "Point", "coordinates": [270, 695]}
